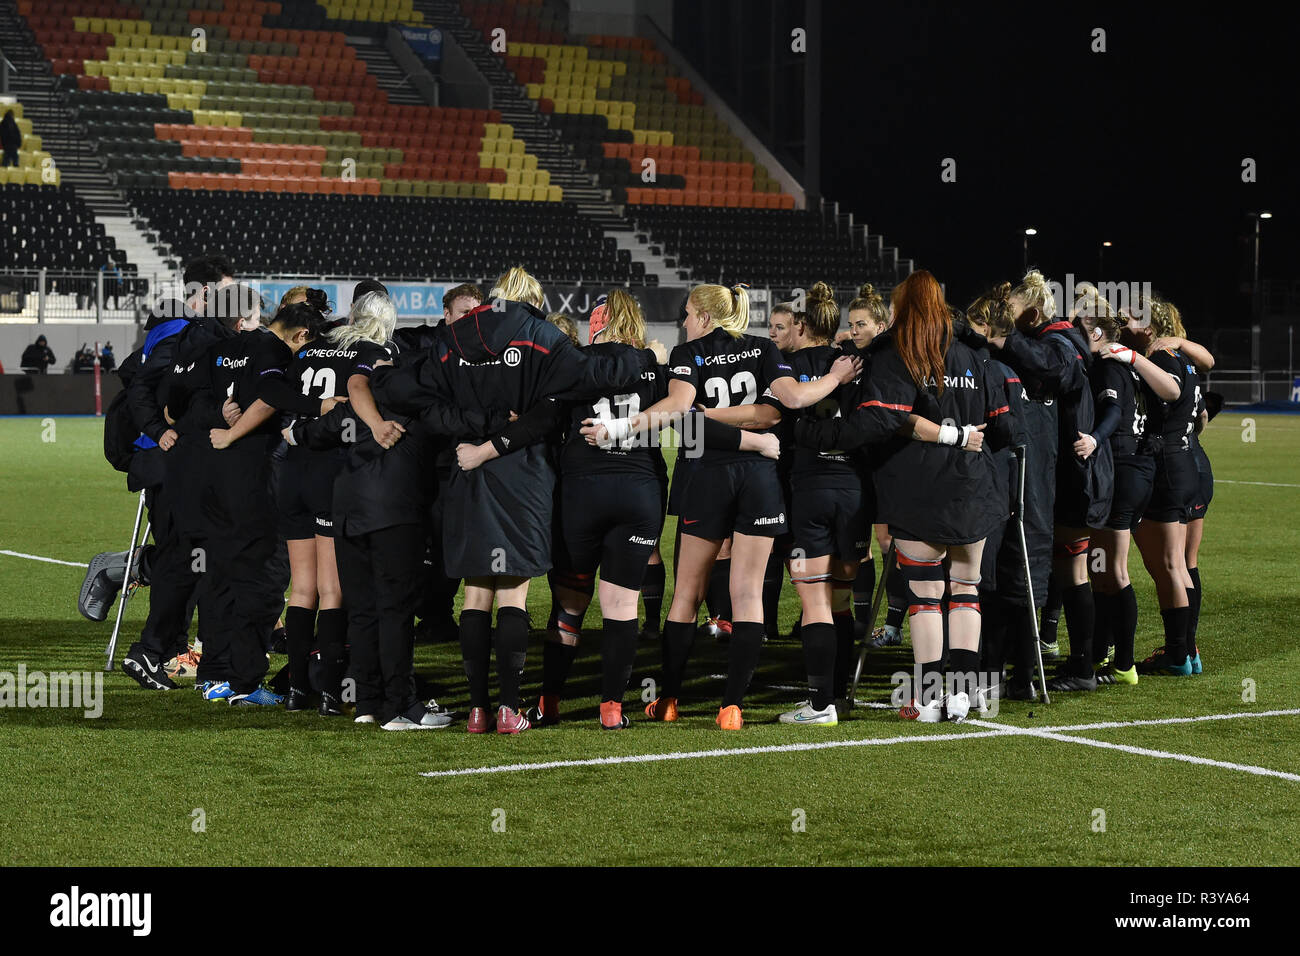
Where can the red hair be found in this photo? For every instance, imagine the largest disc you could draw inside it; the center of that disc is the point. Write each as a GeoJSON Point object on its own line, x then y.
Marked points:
{"type": "Point", "coordinates": [922, 327]}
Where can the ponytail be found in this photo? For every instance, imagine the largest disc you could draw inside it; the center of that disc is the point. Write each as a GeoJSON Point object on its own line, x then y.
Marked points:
{"type": "Point", "coordinates": [728, 308]}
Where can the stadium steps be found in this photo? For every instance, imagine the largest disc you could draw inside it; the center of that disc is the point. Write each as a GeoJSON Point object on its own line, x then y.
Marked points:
{"type": "Point", "coordinates": [520, 112]}
{"type": "Point", "coordinates": [392, 79]}
{"type": "Point", "coordinates": [132, 239]}
{"type": "Point", "coordinates": [651, 257]}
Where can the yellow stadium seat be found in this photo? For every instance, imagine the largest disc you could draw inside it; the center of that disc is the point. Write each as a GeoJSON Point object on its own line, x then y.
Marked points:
{"type": "Point", "coordinates": [115, 54]}
{"type": "Point", "coordinates": [554, 194]}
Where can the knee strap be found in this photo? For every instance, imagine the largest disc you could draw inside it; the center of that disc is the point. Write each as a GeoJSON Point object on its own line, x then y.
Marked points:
{"type": "Point", "coordinates": [810, 578]}
{"type": "Point", "coordinates": [574, 581]}
{"type": "Point", "coordinates": [570, 624]}
{"type": "Point", "coordinates": [1071, 549]}
{"type": "Point", "coordinates": [965, 599]}
{"type": "Point", "coordinates": [914, 571]}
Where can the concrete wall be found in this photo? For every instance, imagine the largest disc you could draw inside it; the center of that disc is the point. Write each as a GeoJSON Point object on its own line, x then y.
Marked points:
{"type": "Point", "coordinates": [54, 394]}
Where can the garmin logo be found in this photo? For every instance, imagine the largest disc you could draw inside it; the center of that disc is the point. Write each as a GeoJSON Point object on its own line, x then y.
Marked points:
{"type": "Point", "coordinates": [954, 381]}
{"type": "Point", "coordinates": [76, 909]}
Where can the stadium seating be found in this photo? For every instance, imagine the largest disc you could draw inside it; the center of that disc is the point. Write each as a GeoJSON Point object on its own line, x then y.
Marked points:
{"type": "Point", "coordinates": [49, 227]}
{"type": "Point", "coordinates": [608, 93]}
{"type": "Point", "coordinates": [786, 248]}
{"type": "Point", "coordinates": [35, 168]}
{"type": "Point", "coordinates": [272, 100]}
{"type": "Point", "coordinates": [396, 236]}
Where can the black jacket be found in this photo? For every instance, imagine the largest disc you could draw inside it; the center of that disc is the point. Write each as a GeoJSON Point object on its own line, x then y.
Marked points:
{"type": "Point", "coordinates": [930, 492]}
{"type": "Point", "coordinates": [1053, 362]}
{"type": "Point", "coordinates": [497, 518]}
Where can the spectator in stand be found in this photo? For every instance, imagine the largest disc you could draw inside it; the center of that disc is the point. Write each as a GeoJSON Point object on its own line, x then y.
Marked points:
{"type": "Point", "coordinates": [37, 357]}
{"type": "Point", "coordinates": [11, 138]}
{"type": "Point", "coordinates": [106, 360]}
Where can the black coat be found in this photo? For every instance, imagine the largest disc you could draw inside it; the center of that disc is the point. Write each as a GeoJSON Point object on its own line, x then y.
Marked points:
{"type": "Point", "coordinates": [1053, 363]}
{"type": "Point", "coordinates": [502, 357]}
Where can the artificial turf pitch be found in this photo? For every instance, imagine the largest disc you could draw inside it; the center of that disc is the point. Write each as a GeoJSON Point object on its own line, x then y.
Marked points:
{"type": "Point", "coordinates": [296, 789]}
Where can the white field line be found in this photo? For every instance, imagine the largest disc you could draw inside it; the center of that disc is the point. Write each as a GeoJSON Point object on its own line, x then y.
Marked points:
{"type": "Point", "coordinates": [992, 730]}
{"type": "Point", "coordinates": [1266, 484]}
{"type": "Point", "coordinates": [726, 752]}
{"type": "Point", "coordinates": [37, 557]}
{"type": "Point", "coordinates": [1145, 751]}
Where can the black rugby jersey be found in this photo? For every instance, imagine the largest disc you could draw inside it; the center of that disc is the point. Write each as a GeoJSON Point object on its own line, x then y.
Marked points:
{"type": "Point", "coordinates": [1118, 384]}
{"type": "Point", "coordinates": [1174, 421]}
{"type": "Point", "coordinates": [728, 371]}
{"type": "Point", "coordinates": [823, 468]}
{"type": "Point", "coordinates": [638, 454]}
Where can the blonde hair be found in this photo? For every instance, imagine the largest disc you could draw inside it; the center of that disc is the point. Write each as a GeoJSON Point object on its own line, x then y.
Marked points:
{"type": "Point", "coordinates": [626, 322]}
{"type": "Point", "coordinates": [566, 325]}
{"type": "Point", "coordinates": [870, 301]}
{"type": "Point", "coordinates": [993, 310]}
{"type": "Point", "coordinates": [728, 308]}
{"type": "Point", "coordinates": [823, 316]}
{"type": "Point", "coordinates": [1034, 293]}
{"type": "Point", "coordinates": [297, 294]}
{"type": "Point", "coordinates": [1166, 321]}
{"type": "Point", "coordinates": [518, 286]}
{"type": "Point", "coordinates": [372, 318]}
{"type": "Point", "coordinates": [1090, 304]}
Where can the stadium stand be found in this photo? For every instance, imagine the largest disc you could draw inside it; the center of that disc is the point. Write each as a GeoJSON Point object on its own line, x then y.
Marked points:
{"type": "Point", "coordinates": [248, 112]}
{"type": "Point", "coordinates": [34, 168]}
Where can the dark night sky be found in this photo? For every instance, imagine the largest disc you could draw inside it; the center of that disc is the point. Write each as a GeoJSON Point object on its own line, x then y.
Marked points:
{"type": "Point", "coordinates": [1141, 145]}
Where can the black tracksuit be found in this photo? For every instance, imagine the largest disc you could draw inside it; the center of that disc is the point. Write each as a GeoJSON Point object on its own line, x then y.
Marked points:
{"type": "Point", "coordinates": [381, 508]}
{"type": "Point", "coordinates": [168, 487]}
{"type": "Point", "coordinates": [236, 515]}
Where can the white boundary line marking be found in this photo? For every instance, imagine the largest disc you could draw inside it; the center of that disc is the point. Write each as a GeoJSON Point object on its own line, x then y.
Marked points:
{"type": "Point", "coordinates": [1147, 752]}
{"type": "Point", "coordinates": [1266, 484]}
{"type": "Point", "coordinates": [37, 557]}
{"type": "Point", "coordinates": [726, 752]}
{"type": "Point", "coordinates": [992, 730]}
{"type": "Point", "coordinates": [1113, 724]}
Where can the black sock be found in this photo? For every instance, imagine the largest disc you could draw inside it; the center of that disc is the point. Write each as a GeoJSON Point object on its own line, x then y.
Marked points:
{"type": "Point", "coordinates": [1103, 628]}
{"type": "Point", "coordinates": [964, 667]}
{"type": "Point", "coordinates": [652, 592]}
{"type": "Point", "coordinates": [845, 659]}
{"type": "Point", "coordinates": [677, 640]}
{"type": "Point", "coordinates": [719, 593]}
{"type": "Point", "coordinates": [896, 589]}
{"type": "Point", "coordinates": [931, 688]}
{"type": "Point", "coordinates": [299, 633]}
{"type": "Point", "coordinates": [618, 653]}
{"type": "Point", "coordinates": [993, 633]}
{"type": "Point", "coordinates": [557, 661]}
{"type": "Point", "coordinates": [1079, 620]}
{"type": "Point", "coordinates": [1125, 623]}
{"type": "Point", "coordinates": [773, 578]}
{"type": "Point", "coordinates": [864, 589]}
{"type": "Point", "coordinates": [1175, 621]}
{"type": "Point", "coordinates": [1051, 617]}
{"type": "Point", "coordinates": [476, 649]}
{"type": "Point", "coordinates": [510, 641]}
{"type": "Point", "coordinates": [742, 658]}
{"type": "Point", "coordinates": [1194, 609]}
{"type": "Point", "coordinates": [331, 634]}
{"type": "Point", "coordinates": [819, 655]}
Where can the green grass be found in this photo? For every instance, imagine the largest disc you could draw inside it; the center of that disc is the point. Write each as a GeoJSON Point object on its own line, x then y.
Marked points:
{"type": "Point", "coordinates": [297, 789]}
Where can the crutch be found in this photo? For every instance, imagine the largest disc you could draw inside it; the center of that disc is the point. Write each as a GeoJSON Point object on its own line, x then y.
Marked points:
{"type": "Point", "coordinates": [128, 585]}
{"type": "Point", "coordinates": [1029, 579]}
{"type": "Point", "coordinates": [875, 609]}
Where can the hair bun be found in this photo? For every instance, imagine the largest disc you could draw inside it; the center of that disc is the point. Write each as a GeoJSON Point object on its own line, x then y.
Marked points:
{"type": "Point", "coordinates": [866, 290]}
{"type": "Point", "coordinates": [821, 292]}
{"type": "Point", "coordinates": [1002, 292]}
{"type": "Point", "coordinates": [318, 300]}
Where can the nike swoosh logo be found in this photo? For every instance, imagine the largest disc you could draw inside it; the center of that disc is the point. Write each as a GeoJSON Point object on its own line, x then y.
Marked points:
{"type": "Point", "coordinates": [691, 521]}
{"type": "Point", "coordinates": [152, 668]}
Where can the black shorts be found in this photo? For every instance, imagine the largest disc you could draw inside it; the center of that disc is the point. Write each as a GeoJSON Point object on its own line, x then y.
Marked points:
{"type": "Point", "coordinates": [830, 521]}
{"type": "Point", "coordinates": [1204, 484]}
{"type": "Point", "coordinates": [305, 496]}
{"type": "Point", "coordinates": [1134, 475]}
{"type": "Point", "coordinates": [611, 523]}
{"type": "Point", "coordinates": [1173, 488]}
{"type": "Point", "coordinates": [719, 500]}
